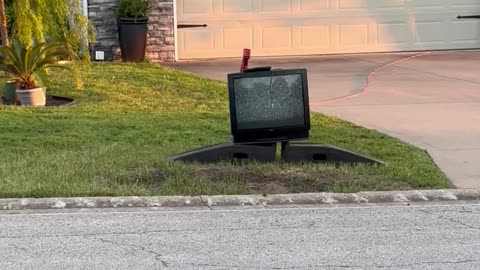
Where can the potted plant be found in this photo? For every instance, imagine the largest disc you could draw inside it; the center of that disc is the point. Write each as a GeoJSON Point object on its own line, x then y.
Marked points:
{"type": "Point", "coordinates": [132, 29]}
{"type": "Point", "coordinates": [9, 91]}
{"type": "Point", "coordinates": [25, 64]}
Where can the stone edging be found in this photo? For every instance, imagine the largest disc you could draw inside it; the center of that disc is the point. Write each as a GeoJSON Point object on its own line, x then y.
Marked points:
{"type": "Point", "coordinates": [243, 200]}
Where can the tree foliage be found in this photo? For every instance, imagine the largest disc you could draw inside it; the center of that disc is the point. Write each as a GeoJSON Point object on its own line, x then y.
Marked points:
{"type": "Point", "coordinates": [38, 21]}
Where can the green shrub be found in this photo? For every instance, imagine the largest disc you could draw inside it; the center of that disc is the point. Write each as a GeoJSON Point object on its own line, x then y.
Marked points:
{"type": "Point", "coordinates": [132, 9]}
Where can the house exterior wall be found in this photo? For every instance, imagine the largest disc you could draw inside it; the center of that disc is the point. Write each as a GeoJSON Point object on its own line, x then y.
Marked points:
{"type": "Point", "coordinates": [161, 33]}
{"type": "Point", "coordinates": [291, 27]}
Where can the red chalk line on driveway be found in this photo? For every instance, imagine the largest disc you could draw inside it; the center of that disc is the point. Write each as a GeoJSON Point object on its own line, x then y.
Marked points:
{"type": "Point", "coordinates": [369, 80]}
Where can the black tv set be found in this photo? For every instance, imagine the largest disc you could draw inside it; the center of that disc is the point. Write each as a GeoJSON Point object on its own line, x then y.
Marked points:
{"type": "Point", "coordinates": [269, 106]}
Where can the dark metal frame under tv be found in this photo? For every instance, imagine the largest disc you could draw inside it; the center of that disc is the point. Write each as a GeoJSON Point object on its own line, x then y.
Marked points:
{"type": "Point", "coordinates": [275, 134]}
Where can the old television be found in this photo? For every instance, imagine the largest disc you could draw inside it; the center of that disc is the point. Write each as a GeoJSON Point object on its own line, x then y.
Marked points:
{"type": "Point", "coordinates": [269, 106]}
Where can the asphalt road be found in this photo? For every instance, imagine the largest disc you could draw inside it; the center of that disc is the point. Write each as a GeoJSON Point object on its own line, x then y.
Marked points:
{"type": "Point", "coordinates": [348, 237]}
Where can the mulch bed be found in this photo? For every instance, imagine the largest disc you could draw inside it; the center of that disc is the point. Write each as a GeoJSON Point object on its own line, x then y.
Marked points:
{"type": "Point", "coordinates": [52, 101]}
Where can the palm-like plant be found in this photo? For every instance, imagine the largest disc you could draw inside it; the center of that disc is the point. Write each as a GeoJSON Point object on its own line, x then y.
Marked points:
{"type": "Point", "coordinates": [26, 64]}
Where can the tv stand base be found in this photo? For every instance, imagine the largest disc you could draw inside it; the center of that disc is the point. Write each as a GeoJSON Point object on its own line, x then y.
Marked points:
{"type": "Point", "coordinates": [230, 152]}
{"type": "Point", "coordinates": [267, 153]}
{"type": "Point", "coordinates": [321, 153]}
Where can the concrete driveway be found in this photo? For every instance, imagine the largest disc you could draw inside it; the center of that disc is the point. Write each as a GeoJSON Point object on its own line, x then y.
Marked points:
{"type": "Point", "coordinates": [432, 101]}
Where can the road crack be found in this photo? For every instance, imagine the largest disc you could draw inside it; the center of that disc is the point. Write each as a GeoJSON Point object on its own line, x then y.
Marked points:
{"type": "Point", "coordinates": [157, 256]}
{"type": "Point", "coordinates": [453, 220]}
{"type": "Point", "coordinates": [205, 204]}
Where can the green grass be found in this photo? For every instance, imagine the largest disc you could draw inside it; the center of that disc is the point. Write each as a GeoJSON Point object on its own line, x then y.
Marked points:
{"type": "Point", "coordinates": [129, 118]}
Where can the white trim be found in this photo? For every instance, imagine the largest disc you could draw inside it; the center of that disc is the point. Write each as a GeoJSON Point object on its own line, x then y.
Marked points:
{"type": "Point", "coordinates": [85, 7]}
{"type": "Point", "coordinates": [175, 29]}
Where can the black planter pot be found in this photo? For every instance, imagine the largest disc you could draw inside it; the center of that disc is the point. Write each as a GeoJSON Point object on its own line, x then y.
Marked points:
{"type": "Point", "coordinates": [132, 35]}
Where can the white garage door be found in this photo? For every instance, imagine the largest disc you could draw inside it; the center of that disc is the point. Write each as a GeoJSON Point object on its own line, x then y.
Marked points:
{"type": "Point", "coordinates": [302, 27]}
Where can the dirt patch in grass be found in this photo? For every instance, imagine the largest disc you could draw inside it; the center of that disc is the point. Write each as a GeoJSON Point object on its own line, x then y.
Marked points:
{"type": "Point", "coordinates": [256, 182]}
{"type": "Point", "coordinates": [256, 179]}
{"type": "Point", "coordinates": [288, 179]}
{"type": "Point", "coordinates": [296, 179]}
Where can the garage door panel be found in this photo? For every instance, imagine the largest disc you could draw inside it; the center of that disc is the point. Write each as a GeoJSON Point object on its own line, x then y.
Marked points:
{"type": "Point", "coordinates": [395, 4]}
{"type": "Point", "coordinates": [237, 38]}
{"type": "Point", "coordinates": [466, 7]}
{"type": "Point", "coordinates": [195, 40]}
{"type": "Point", "coordinates": [465, 2]}
{"type": "Point", "coordinates": [435, 4]}
{"type": "Point", "coordinates": [316, 36]}
{"type": "Point", "coordinates": [353, 35]}
{"type": "Point", "coordinates": [300, 27]}
{"type": "Point", "coordinates": [429, 31]}
{"type": "Point", "coordinates": [277, 38]}
{"type": "Point", "coordinates": [314, 5]}
{"type": "Point", "coordinates": [371, 6]}
{"type": "Point", "coordinates": [461, 31]}
{"type": "Point", "coordinates": [237, 6]}
{"type": "Point", "coordinates": [196, 8]}
{"type": "Point", "coordinates": [393, 33]}
{"type": "Point", "coordinates": [283, 6]}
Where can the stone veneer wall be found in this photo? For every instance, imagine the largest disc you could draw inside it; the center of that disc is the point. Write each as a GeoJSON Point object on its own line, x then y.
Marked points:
{"type": "Point", "coordinates": [160, 39]}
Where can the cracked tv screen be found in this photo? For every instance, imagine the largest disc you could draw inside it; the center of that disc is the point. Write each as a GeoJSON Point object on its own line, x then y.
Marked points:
{"type": "Point", "coordinates": [269, 102]}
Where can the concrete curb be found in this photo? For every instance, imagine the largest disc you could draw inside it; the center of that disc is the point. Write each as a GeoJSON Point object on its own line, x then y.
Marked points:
{"type": "Point", "coordinates": [243, 200]}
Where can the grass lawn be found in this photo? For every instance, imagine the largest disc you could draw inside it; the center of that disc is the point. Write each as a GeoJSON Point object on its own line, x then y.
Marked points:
{"type": "Point", "coordinates": [130, 117]}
